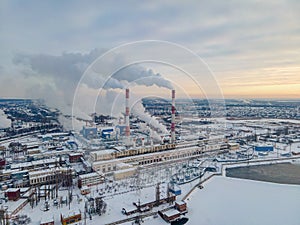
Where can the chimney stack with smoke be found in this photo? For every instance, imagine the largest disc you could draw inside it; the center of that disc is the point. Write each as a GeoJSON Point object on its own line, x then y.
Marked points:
{"type": "Point", "coordinates": [173, 118]}
{"type": "Point", "coordinates": [127, 129]}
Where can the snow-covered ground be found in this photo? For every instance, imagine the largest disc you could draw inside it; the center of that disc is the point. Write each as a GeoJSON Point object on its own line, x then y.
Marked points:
{"type": "Point", "coordinates": [234, 201]}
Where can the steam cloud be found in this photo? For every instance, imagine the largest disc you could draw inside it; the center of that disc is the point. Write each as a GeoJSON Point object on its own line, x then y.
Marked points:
{"type": "Point", "coordinates": [56, 79]}
{"type": "Point", "coordinates": [65, 71]}
{"type": "Point", "coordinates": [139, 111]}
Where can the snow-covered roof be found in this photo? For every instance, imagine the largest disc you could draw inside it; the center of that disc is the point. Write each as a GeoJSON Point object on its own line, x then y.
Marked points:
{"type": "Point", "coordinates": [180, 202]}
{"type": "Point", "coordinates": [171, 212]}
{"type": "Point", "coordinates": [12, 189]}
{"type": "Point", "coordinates": [75, 153]}
{"type": "Point", "coordinates": [103, 152]}
{"type": "Point", "coordinates": [88, 175]}
{"type": "Point", "coordinates": [70, 213]}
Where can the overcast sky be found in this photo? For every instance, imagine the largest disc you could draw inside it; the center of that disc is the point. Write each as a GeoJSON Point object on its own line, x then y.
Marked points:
{"type": "Point", "coordinates": [252, 47]}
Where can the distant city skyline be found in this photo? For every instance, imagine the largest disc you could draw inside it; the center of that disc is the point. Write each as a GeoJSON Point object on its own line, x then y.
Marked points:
{"type": "Point", "coordinates": [252, 47]}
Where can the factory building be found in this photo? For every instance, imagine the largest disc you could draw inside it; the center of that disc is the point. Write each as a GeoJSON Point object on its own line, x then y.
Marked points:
{"type": "Point", "coordinates": [89, 132]}
{"type": "Point", "coordinates": [48, 176]}
{"type": "Point", "coordinates": [90, 179]}
{"type": "Point", "coordinates": [233, 146]}
{"type": "Point", "coordinates": [125, 173]}
{"type": "Point", "coordinates": [19, 175]}
{"type": "Point", "coordinates": [101, 155]}
{"type": "Point", "coordinates": [34, 164]}
{"type": "Point", "coordinates": [13, 194]}
{"type": "Point", "coordinates": [20, 178]}
{"type": "Point", "coordinates": [175, 189]}
{"type": "Point", "coordinates": [70, 218]}
{"type": "Point", "coordinates": [156, 156]}
{"type": "Point", "coordinates": [170, 215]}
{"type": "Point", "coordinates": [75, 157]}
{"type": "Point", "coordinates": [181, 206]}
{"type": "Point", "coordinates": [107, 132]}
{"type": "Point", "coordinates": [264, 148]}
{"type": "Point", "coordinates": [120, 129]}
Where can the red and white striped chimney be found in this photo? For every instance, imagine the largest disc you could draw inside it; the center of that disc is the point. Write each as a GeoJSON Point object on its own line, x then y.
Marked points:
{"type": "Point", "coordinates": [127, 129]}
{"type": "Point", "coordinates": [173, 118]}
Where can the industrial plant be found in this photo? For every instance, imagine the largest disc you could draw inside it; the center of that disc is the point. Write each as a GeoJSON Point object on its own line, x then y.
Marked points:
{"type": "Point", "coordinates": [125, 170]}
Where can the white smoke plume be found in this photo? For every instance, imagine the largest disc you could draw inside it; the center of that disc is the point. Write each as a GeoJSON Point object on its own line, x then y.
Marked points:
{"type": "Point", "coordinates": [56, 78]}
{"type": "Point", "coordinates": [114, 100]}
{"type": "Point", "coordinates": [141, 76]}
{"type": "Point", "coordinates": [139, 111]}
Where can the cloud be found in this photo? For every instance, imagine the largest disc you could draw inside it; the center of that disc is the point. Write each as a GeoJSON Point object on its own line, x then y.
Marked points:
{"type": "Point", "coordinates": [264, 77]}
{"type": "Point", "coordinates": [61, 73]}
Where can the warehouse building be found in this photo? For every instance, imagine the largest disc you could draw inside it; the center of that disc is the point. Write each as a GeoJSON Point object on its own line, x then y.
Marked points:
{"type": "Point", "coordinates": [90, 179]}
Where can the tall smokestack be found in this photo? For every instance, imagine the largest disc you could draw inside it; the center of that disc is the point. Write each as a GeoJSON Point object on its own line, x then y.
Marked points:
{"type": "Point", "coordinates": [173, 118]}
{"type": "Point", "coordinates": [127, 129]}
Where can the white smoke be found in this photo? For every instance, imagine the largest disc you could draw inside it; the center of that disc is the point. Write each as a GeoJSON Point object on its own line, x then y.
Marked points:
{"type": "Point", "coordinates": [139, 111]}
{"type": "Point", "coordinates": [136, 74]}
{"type": "Point", "coordinates": [63, 73]}
{"type": "Point", "coordinates": [114, 100]}
{"type": "Point", "coordinates": [56, 79]}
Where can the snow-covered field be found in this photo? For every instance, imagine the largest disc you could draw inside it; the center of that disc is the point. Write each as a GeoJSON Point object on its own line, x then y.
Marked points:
{"type": "Point", "coordinates": [234, 201]}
